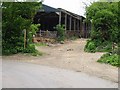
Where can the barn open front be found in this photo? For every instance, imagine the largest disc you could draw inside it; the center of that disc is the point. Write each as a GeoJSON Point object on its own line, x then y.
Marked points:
{"type": "Point", "coordinates": [48, 17]}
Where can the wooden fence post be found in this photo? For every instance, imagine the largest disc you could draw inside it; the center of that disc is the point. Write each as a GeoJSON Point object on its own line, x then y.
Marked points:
{"type": "Point", "coordinates": [24, 38]}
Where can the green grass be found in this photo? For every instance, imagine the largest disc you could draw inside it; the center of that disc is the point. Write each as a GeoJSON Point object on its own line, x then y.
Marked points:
{"type": "Point", "coordinates": [40, 44]}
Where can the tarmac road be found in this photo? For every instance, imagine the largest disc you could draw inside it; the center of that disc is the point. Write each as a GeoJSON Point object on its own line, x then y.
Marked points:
{"type": "Point", "coordinates": [18, 74]}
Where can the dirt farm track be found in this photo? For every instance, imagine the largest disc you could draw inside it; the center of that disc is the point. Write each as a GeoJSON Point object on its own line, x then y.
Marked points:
{"type": "Point", "coordinates": [70, 56]}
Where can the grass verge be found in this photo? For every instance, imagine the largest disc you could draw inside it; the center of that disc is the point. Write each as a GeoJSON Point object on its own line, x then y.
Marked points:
{"type": "Point", "coordinates": [40, 44]}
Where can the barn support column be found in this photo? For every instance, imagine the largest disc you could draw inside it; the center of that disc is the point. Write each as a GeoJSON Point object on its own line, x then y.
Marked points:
{"type": "Point", "coordinates": [83, 29]}
{"type": "Point", "coordinates": [65, 21]}
{"type": "Point", "coordinates": [80, 28]}
{"type": "Point", "coordinates": [77, 25]}
{"type": "Point", "coordinates": [60, 18]}
{"type": "Point", "coordinates": [74, 24]}
{"type": "Point", "coordinates": [70, 24]}
{"type": "Point", "coordinates": [81, 33]}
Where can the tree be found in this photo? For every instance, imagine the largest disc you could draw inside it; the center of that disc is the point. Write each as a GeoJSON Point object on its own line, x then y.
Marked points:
{"type": "Point", "coordinates": [17, 16]}
{"type": "Point", "coordinates": [104, 17]}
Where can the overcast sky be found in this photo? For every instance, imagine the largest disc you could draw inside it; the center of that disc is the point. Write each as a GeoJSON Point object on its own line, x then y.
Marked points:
{"type": "Point", "coordinates": [75, 6]}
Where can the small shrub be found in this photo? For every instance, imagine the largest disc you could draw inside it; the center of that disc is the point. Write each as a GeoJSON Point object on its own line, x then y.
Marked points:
{"type": "Point", "coordinates": [90, 46]}
{"type": "Point", "coordinates": [60, 32]}
{"type": "Point", "coordinates": [109, 58]}
{"type": "Point", "coordinates": [30, 49]}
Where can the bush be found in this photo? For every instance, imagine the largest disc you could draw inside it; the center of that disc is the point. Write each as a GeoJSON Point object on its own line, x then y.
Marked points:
{"type": "Point", "coordinates": [109, 58]}
{"type": "Point", "coordinates": [30, 49]}
{"type": "Point", "coordinates": [60, 32]}
{"type": "Point", "coordinates": [21, 15]}
{"type": "Point", "coordinates": [98, 46]}
{"type": "Point", "coordinates": [90, 46]}
{"type": "Point", "coordinates": [105, 31]}
{"type": "Point", "coordinates": [9, 51]}
{"type": "Point", "coordinates": [104, 47]}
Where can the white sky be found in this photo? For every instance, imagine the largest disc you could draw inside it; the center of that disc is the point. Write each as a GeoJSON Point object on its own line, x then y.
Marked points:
{"type": "Point", "coordinates": [75, 6]}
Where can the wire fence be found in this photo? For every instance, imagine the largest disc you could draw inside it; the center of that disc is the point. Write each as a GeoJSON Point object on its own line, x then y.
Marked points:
{"type": "Point", "coordinates": [47, 34]}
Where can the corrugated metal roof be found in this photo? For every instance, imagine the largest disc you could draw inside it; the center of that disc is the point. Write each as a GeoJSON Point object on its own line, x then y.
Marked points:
{"type": "Point", "coordinates": [46, 8]}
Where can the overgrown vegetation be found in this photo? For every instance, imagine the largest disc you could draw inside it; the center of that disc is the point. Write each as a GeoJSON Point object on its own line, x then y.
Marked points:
{"type": "Point", "coordinates": [60, 32]}
{"type": "Point", "coordinates": [105, 33]}
{"type": "Point", "coordinates": [109, 58]}
{"type": "Point", "coordinates": [97, 46]}
{"type": "Point", "coordinates": [17, 17]}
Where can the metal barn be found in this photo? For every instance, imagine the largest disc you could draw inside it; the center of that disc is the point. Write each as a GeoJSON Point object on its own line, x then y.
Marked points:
{"type": "Point", "coordinates": [49, 17]}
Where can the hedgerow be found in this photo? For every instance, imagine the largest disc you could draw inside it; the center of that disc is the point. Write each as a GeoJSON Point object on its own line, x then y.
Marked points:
{"type": "Point", "coordinates": [105, 33]}
{"type": "Point", "coordinates": [17, 17]}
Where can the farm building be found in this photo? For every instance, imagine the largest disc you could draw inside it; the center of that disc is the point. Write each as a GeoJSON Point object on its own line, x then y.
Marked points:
{"type": "Point", "coordinates": [49, 17]}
